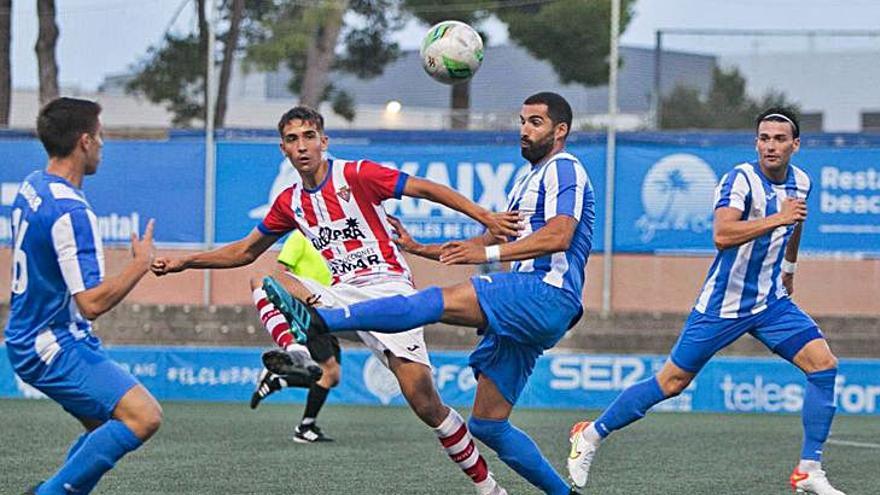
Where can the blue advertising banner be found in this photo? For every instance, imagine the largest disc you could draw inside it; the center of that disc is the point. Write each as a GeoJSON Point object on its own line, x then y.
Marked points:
{"type": "Point", "coordinates": [251, 175]}
{"type": "Point", "coordinates": [560, 380]}
{"type": "Point", "coordinates": [664, 190]}
{"type": "Point", "coordinates": [136, 181]}
{"type": "Point", "coordinates": [664, 197]}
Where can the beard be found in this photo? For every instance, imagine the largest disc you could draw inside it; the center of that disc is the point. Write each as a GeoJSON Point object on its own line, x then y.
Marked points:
{"type": "Point", "coordinates": [534, 152]}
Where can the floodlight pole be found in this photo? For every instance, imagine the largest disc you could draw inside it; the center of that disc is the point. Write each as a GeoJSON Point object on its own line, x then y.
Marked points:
{"type": "Point", "coordinates": [610, 158]}
{"type": "Point", "coordinates": [657, 95]}
{"type": "Point", "coordinates": [210, 151]}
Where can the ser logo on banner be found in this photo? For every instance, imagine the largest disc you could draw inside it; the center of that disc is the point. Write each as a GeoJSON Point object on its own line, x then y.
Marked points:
{"type": "Point", "coordinates": [677, 194]}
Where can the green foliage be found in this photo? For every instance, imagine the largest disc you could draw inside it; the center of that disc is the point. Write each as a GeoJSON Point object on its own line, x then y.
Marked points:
{"type": "Point", "coordinates": [273, 32]}
{"type": "Point", "coordinates": [366, 47]}
{"type": "Point", "coordinates": [433, 11]}
{"type": "Point", "coordinates": [343, 104]}
{"type": "Point", "coordinates": [572, 35]}
{"type": "Point", "coordinates": [174, 74]}
{"type": "Point", "coordinates": [726, 106]}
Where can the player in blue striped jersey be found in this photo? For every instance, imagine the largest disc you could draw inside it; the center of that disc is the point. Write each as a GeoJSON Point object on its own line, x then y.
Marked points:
{"type": "Point", "coordinates": [58, 286]}
{"type": "Point", "coordinates": [760, 208]}
{"type": "Point", "coordinates": [556, 202]}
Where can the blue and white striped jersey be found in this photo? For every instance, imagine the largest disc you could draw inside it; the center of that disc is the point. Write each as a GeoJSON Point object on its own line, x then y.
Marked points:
{"type": "Point", "coordinates": [558, 186]}
{"type": "Point", "coordinates": [744, 279]}
{"type": "Point", "coordinates": [57, 252]}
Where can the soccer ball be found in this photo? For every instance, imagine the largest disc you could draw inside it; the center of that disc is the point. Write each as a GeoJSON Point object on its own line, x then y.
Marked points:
{"type": "Point", "coordinates": [451, 52]}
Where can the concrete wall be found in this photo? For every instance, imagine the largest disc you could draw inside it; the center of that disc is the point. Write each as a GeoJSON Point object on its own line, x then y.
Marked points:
{"type": "Point", "coordinates": [641, 283]}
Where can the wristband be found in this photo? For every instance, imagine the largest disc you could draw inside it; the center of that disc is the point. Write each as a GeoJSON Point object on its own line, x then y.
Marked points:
{"type": "Point", "coordinates": [493, 253]}
{"type": "Point", "coordinates": [788, 266]}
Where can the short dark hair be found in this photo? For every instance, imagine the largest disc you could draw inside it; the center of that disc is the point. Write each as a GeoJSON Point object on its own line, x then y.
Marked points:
{"type": "Point", "coordinates": [557, 107]}
{"type": "Point", "coordinates": [304, 113]}
{"type": "Point", "coordinates": [63, 120]}
{"type": "Point", "coordinates": [780, 114]}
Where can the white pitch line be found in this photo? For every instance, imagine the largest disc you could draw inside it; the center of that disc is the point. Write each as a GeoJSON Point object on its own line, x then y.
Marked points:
{"type": "Point", "coordinates": [864, 445]}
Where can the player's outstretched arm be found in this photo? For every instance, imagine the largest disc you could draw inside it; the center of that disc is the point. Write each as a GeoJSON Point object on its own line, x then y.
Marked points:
{"type": "Point", "coordinates": [502, 225]}
{"type": "Point", "coordinates": [431, 251]}
{"type": "Point", "coordinates": [731, 231]}
{"type": "Point", "coordinates": [238, 253]}
{"type": "Point", "coordinates": [553, 237]}
{"type": "Point", "coordinates": [96, 301]}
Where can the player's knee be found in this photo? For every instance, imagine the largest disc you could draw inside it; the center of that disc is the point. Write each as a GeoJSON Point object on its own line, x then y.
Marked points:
{"type": "Point", "coordinates": [675, 385]}
{"type": "Point", "coordinates": [150, 419]}
{"type": "Point", "coordinates": [145, 421]}
{"type": "Point", "coordinates": [825, 362]}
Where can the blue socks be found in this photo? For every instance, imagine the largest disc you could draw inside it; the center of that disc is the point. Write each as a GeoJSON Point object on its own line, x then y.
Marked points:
{"type": "Point", "coordinates": [74, 448]}
{"type": "Point", "coordinates": [90, 457]}
{"type": "Point", "coordinates": [393, 314]}
{"type": "Point", "coordinates": [818, 412]}
{"type": "Point", "coordinates": [631, 405]}
{"type": "Point", "coordinates": [519, 452]}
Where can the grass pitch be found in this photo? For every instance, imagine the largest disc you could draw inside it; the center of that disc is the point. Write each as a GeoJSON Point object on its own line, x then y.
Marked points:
{"type": "Point", "coordinates": [228, 449]}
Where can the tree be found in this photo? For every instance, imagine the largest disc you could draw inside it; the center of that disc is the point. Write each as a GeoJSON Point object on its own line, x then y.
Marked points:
{"type": "Point", "coordinates": [572, 35]}
{"type": "Point", "coordinates": [433, 11]}
{"type": "Point", "coordinates": [47, 39]}
{"type": "Point", "coordinates": [5, 61]}
{"type": "Point", "coordinates": [230, 45]}
{"type": "Point", "coordinates": [174, 72]}
{"type": "Point", "coordinates": [726, 106]}
{"type": "Point", "coordinates": [307, 39]}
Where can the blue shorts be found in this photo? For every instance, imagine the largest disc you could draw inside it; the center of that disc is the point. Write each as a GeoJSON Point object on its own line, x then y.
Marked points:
{"type": "Point", "coordinates": [783, 327]}
{"type": "Point", "coordinates": [83, 380]}
{"type": "Point", "coordinates": [525, 317]}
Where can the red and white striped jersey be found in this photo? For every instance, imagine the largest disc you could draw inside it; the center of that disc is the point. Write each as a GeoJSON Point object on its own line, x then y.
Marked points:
{"type": "Point", "coordinates": [344, 219]}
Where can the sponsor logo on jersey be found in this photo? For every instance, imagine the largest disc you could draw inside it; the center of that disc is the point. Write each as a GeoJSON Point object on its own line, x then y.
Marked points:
{"type": "Point", "coordinates": [328, 235]}
{"type": "Point", "coordinates": [357, 260]}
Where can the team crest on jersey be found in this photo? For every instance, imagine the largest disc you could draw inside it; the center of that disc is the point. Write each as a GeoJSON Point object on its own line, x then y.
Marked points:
{"type": "Point", "coordinates": [344, 192]}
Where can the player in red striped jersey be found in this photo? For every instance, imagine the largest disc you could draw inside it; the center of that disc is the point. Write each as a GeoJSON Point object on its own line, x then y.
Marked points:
{"type": "Point", "coordinates": [338, 206]}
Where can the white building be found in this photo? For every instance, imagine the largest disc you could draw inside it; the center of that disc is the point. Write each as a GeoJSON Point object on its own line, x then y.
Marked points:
{"type": "Point", "coordinates": [841, 86]}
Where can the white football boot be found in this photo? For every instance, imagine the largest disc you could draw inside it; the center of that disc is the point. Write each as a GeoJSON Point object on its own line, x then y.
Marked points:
{"type": "Point", "coordinates": [581, 456]}
{"type": "Point", "coordinates": [812, 482]}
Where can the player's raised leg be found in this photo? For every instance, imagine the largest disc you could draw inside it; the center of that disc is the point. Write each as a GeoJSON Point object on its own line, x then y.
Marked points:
{"type": "Point", "coordinates": [296, 359]}
{"type": "Point", "coordinates": [394, 314]}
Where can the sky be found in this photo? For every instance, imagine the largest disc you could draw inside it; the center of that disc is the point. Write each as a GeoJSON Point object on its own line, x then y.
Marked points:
{"type": "Point", "coordinates": [104, 37]}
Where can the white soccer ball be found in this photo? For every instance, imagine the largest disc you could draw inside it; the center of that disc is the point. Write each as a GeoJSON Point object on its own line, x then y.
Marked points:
{"type": "Point", "coordinates": [451, 52]}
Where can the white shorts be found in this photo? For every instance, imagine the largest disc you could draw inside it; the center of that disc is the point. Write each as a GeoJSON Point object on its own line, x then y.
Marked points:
{"type": "Point", "coordinates": [407, 345]}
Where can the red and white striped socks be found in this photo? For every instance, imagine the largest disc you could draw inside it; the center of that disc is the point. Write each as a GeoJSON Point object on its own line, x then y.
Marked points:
{"type": "Point", "coordinates": [459, 445]}
{"type": "Point", "coordinates": [274, 321]}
